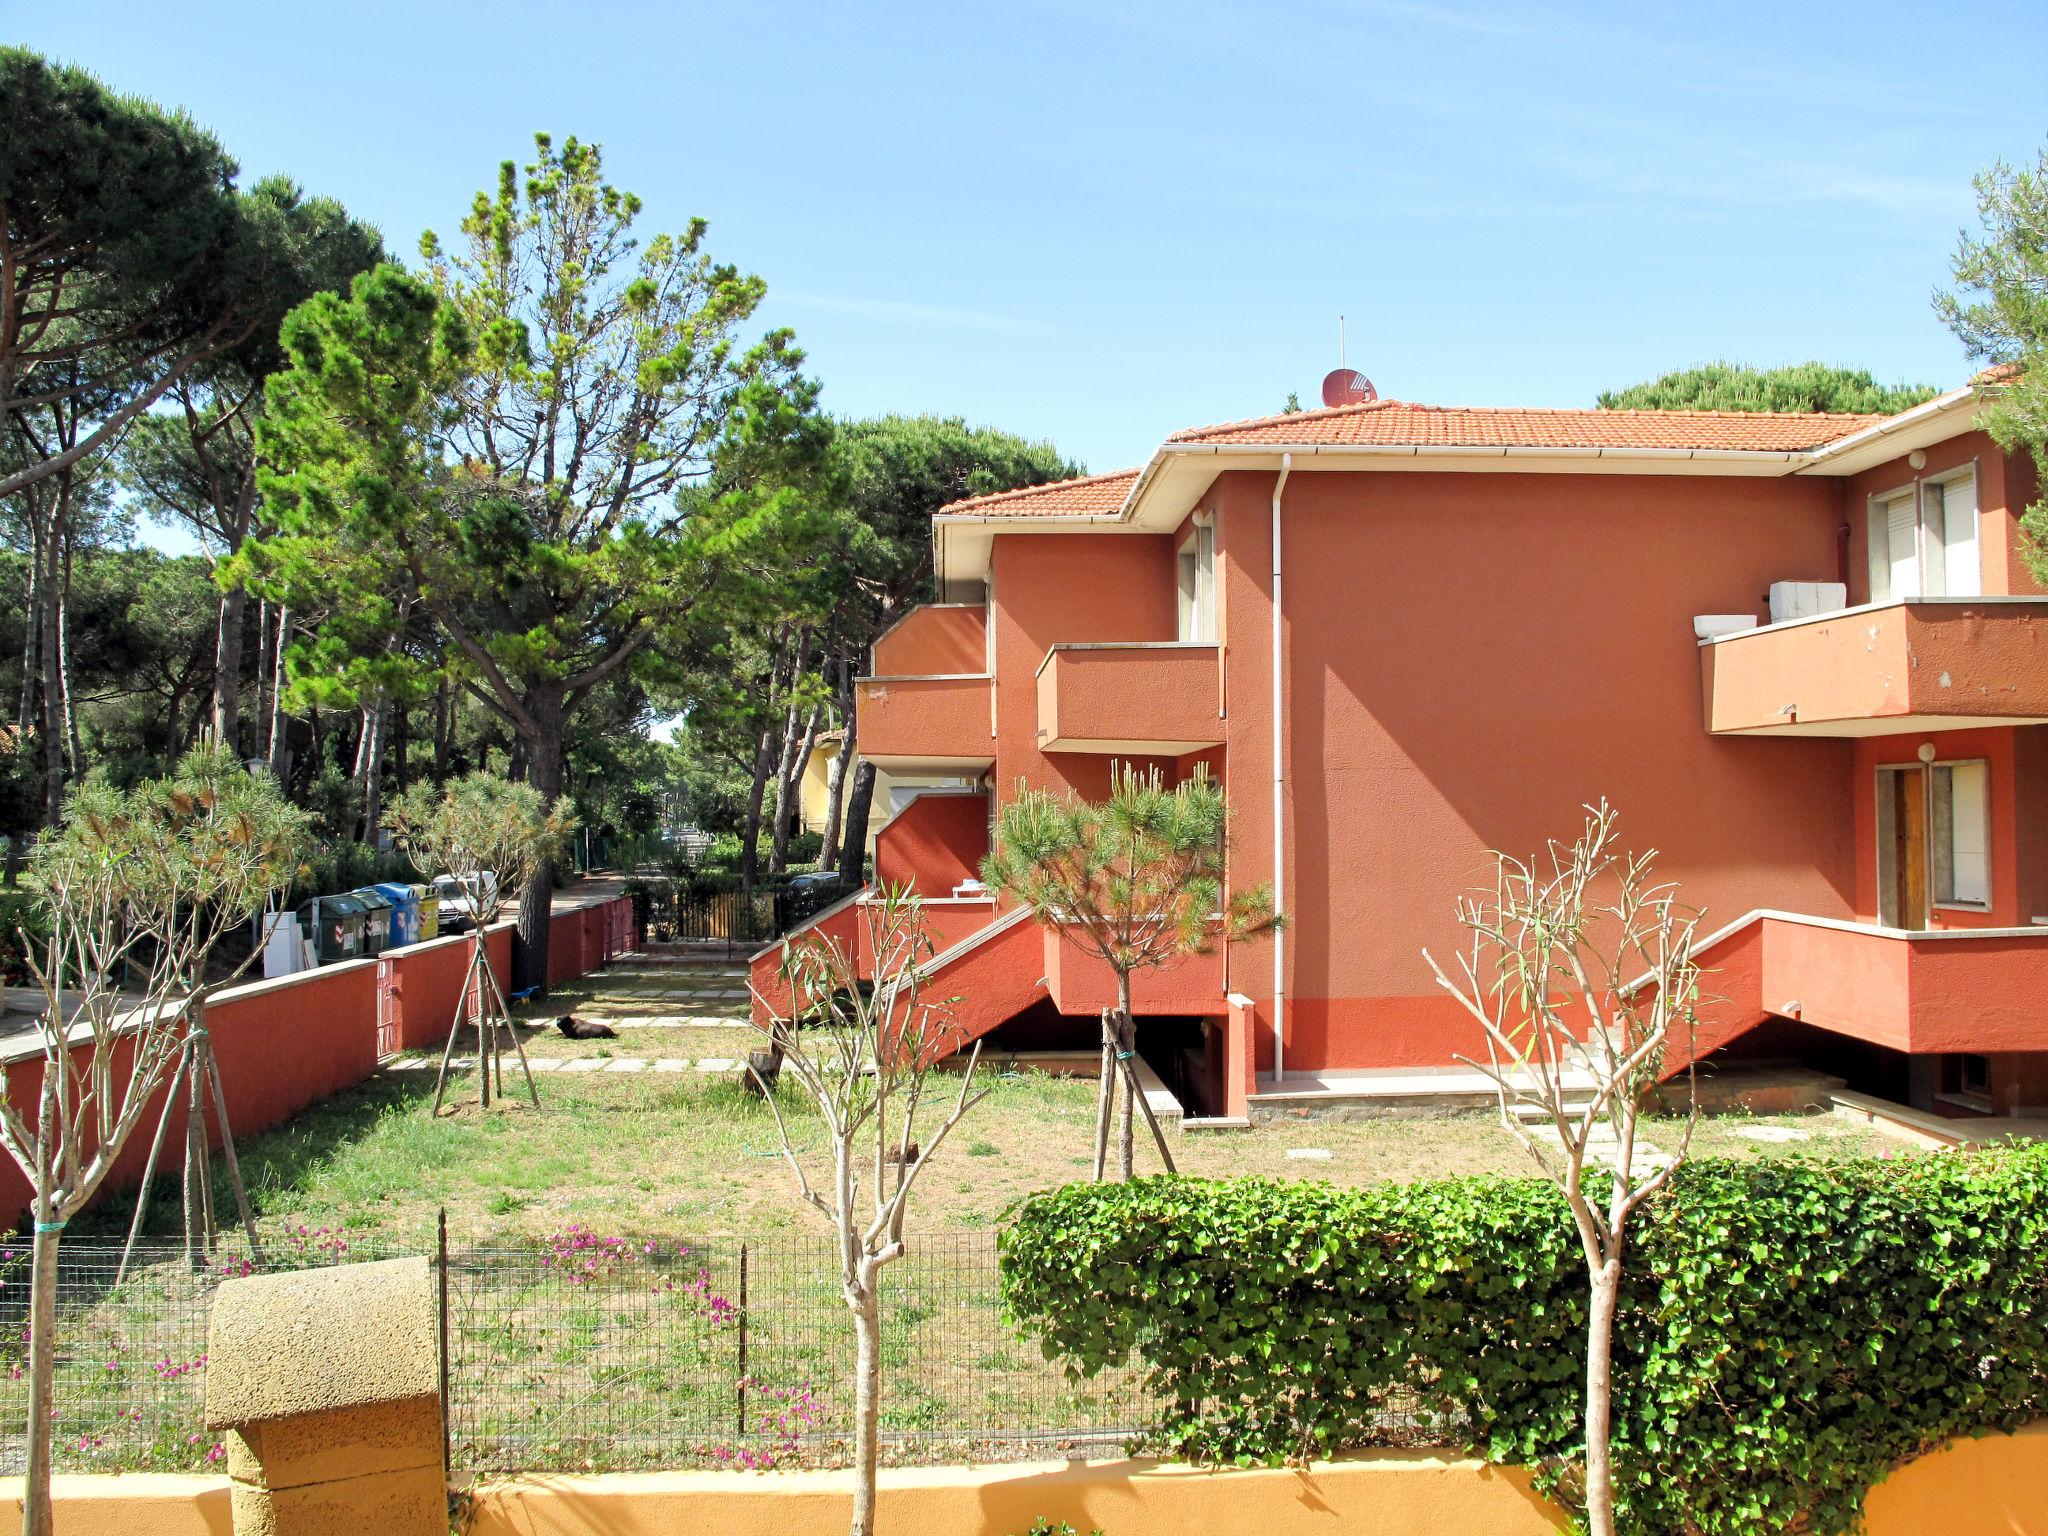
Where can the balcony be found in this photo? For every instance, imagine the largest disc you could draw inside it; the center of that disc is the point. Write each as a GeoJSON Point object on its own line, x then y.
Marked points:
{"type": "Point", "coordinates": [942, 724]}
{"type": "Point", "coordinates": [1882, 669]}
{"type": "Point", "coordinates": [1960, 989]}
{"type": "Point", "coordinates": [1149, 698]}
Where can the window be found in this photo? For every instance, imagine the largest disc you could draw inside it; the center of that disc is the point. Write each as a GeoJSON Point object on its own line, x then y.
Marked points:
{"type": "Point", "coordinates": [1923, 541]}
{"type": "Point", "coordinates": [1959, 840]}
{"type": "Point", "coordinates": [1198, 581]}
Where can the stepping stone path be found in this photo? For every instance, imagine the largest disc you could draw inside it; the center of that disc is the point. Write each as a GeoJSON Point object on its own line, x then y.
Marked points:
{"type": "Point", "coordinates": [710, 997]}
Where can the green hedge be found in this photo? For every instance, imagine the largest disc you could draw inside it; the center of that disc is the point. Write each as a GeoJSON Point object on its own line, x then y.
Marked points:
{"type": "Point", "coordinates": [1790, 1331]}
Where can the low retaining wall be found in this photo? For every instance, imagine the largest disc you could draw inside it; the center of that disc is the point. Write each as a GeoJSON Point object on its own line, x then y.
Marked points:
{"type": "Point", "coordinates": [1997, 1486]}
{"type": "Point", "coordinates": [285, 1044]}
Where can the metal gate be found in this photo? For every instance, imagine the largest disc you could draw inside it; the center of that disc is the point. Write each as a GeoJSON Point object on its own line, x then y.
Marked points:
{"type": "Point", "coordinates": [387, 1009]}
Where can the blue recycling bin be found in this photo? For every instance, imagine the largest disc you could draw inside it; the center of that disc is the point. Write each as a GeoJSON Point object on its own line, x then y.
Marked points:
{"type": "Point", "coordinates": [405, 911]}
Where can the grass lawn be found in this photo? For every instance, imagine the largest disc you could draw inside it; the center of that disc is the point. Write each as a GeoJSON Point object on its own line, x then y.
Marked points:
{"type": "Point", "coordinates": [655, 1154]}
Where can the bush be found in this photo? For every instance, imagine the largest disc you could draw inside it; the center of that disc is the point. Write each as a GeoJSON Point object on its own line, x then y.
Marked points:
{"type": "Point", "coordinates": [1789, 1332]}
{"type": "Point", "coordinates": [23, 920]}
{"type": "Point", "coordinates": [348, 866]}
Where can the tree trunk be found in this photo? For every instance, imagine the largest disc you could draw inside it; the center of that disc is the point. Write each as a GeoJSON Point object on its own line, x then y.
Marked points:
{"type": "Point", "coordinates": [370, 769]}
{"type": "Point", "coordinates": [853, 851]}
{"type": "Point", "coordinates": [1606, 1290]}
{"type": "Point", "coordinates": [1126, 1044]}
{"type": "Point", "coordinates": [866, 1302]}
{"type": "Point", "coordinates": [544, 770]}
{"type": "Point", "coordinates": [835, 785]}
{"type": "Point", "coordinates": [789, 787]}
{"type": "Point", "coordinates": [74, 747]}
{"type": "Point", "coordinates": [1105, 1096]}
{"type": "Point", "coordinates": [280, 767]}
{"type": "Point", "coordinates": [32, 610]}
{"type": "Point", "coordinates": [750, 835]}
{"type": "Point", "coordinates": [441, 733]}
{"type": "Point", "coordinates": [50, 721]}
{"type": "Point", "coordinates": [227, 669]}
{"type": "Point", "coordinates": [36, 1519]}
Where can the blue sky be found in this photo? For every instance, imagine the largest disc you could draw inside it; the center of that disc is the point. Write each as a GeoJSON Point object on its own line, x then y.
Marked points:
{"type": "Point", "coordinates": [1099, 223]}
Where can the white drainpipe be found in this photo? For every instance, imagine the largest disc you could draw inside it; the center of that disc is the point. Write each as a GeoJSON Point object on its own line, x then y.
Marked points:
{"type": "Point", "coordinates": [1279, 792]}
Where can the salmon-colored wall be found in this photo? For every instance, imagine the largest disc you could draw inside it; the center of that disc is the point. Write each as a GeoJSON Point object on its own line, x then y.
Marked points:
{"type": "Point", "coordinates": [934, 843]}
{"type": "Point", "coordinates": [937, 640]}
{"type": "Point", "coordinates": [1472, 658]}
{"type": "Point", "coordinates": [285, 1044]}
{"type": "Point", "coordinates": [1071, 588]}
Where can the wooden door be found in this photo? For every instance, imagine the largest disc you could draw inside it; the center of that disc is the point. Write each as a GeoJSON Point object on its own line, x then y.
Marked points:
{"type": "Point", "coordinates": [1908, 837]}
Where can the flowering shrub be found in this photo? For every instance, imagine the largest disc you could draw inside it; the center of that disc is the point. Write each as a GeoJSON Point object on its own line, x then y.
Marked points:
{"type": "Point", "coordinates": [792, 1413]}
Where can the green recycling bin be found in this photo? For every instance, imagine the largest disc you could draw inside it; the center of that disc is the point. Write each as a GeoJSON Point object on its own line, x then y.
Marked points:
{"type": "Point", "coordinates": [334, 927]}
{"type": "Point", "coordinates": [376, 919]}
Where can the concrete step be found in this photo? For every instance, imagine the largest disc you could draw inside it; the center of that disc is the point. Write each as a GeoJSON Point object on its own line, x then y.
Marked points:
{"type": "Point", "coordinates": [1387, 1092]}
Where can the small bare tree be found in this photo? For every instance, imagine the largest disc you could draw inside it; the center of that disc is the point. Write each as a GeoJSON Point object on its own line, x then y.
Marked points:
{"type": "Point", "coordinates": [1136, 880]}
{"type": "Point", "coordinates": [140, 886]}
{"type": "Point", "coordinates": [491, 835]}
{"type": "Point", "coordinates": [1580, 974]}
{"type": "Point", "coordinates": [864, 1051]}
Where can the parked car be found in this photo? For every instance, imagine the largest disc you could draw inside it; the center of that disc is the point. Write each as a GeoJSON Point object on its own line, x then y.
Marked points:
{"type": "Point", "coordinates": [454, 900]}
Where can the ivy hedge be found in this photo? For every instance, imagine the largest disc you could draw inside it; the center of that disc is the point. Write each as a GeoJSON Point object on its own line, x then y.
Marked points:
{"type": "Point", "coordinates": [1789, 1332]}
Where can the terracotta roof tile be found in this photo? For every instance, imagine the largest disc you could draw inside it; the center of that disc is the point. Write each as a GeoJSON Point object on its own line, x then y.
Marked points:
{"type": "Point", "coordinates": [1089, 496]}
{"type": "Point", "coordinates": [1396, 423]}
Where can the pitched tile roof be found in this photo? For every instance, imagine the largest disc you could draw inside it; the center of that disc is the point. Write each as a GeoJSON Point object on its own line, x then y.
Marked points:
{"type": "Point", "coordinates": [1396, 423]}
{"type": "Point", "coordinates": [1090, 495]}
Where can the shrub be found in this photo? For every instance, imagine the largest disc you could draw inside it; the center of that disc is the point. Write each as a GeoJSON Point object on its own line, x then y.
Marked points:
{"type": "Point", "coordinates": [1789, 1332]}
{"type": "Point", "coordinates": [22, 914]}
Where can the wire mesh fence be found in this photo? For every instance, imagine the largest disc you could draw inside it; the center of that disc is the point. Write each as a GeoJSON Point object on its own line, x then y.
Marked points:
{"type": "Point", "coordinates": [587, 1352]}
{"type": "Point", "coordinates": [596, 1353]}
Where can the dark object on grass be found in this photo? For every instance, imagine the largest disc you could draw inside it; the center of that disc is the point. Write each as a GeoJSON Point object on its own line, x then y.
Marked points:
{"type": "Point", "coordinates": [585, 1029]}
{"type": "Point", "coordinates": [904, 1155]}
{"type": "Point", "coordinates": [764, 1067]}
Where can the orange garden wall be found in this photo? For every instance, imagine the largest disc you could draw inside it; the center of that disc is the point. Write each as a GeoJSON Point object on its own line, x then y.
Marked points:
{"type": "Point", "coordinates": [1996, 1486]}
{"type": "Point", "coordinates": [285, 1044]}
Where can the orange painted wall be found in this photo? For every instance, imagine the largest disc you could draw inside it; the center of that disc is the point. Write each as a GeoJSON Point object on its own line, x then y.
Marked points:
{"type": "Point", "coordinates": [936, 640]}
{"type": "Point", "coordinates": [934, 843]}
{"type": "Point", "coordinates": [1471, 658]}
{"type": "Point", "coordinates": [1067, 587]}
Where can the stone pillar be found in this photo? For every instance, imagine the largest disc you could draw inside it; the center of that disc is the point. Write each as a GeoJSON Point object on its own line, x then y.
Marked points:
{"type": "Point", "coordinates": [328, 1384]}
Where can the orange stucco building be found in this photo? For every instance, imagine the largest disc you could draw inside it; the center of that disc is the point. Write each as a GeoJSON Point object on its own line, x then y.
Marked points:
{"type": "Point", "coordinates": [1801, 655]}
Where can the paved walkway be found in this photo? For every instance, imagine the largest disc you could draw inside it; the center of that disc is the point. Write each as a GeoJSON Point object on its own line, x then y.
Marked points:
{"type": "Point", "coordinates": [580, 1063]}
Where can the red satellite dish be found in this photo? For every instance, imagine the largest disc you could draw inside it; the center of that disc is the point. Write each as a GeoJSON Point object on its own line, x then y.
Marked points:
{"type": "Point", "coordinates": [1347, 386]}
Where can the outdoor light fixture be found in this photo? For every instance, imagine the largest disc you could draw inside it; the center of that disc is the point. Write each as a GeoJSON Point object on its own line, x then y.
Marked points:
{"type": "Point", "coordinates": [1926, 752]}
{"type": "Point", "coordinates": [1917, 458]}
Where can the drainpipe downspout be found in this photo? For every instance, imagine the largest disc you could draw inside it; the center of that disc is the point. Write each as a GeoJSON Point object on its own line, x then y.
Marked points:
{"type": "Point", "coordinates": [1279, 792]}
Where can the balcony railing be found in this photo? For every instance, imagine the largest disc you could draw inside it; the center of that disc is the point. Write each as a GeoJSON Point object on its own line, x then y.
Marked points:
{"type": "Point", "coordinates": [1953, 989]}
{"type": "Point", "coordinates": [936, 724]}
{"type": "Point", "coordinates": [1882, 669]}
{"type": "Point", "coordinates": [1162, 698]}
